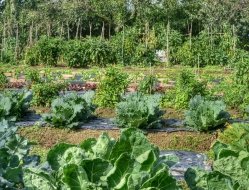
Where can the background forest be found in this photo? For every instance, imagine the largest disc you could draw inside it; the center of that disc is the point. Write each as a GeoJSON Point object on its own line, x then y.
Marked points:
{"type": "Point", "coordinates": [81, 33]}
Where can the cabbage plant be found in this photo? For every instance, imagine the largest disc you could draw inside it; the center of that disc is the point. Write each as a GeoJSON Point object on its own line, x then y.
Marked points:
{"type": "Point", "coordinates": [204, 115]}
{"type": "Point", "coordinates": [129, 163]}
{"type": "Point", "coordinates": [230, 167]}
{"type": "Point", "coordinates": [71, 110]}
{"type": "Point", "coordinates": [13, 105]}
{"type": "Point", "coordinates": [139, 111]}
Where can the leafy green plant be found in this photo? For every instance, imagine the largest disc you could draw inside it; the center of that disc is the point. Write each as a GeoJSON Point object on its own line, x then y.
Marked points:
{"type": "Point", "coordinates": [98, 52]}
{"type": "Point", "coordinates": [44, 93]}
{"type": "Point", "coordinates": [242, 68]}
{"type": "Point", "coordinates": [130, 162]}
{"type": "Point", "coordinates": [32, 77]}
{"type": "Point", "coordinates": [32, 56]}
{"type": "Point", "coordinates": [13, 105]}
{"type": "Point", "coordinates": [230, 168]}
{"type": "Point", "coordinates": [75, 54]}
{"type": "Point", "coordinates": [204, 115]}
{"type": "Point", "coordinates": [46, 51]}
{"type": "Point", "coordinates": [148, 85]}
{"type": "Point", "coordinates": [70, 110]}
{"type": "Point", "coordinates": [3, 81]}
{"type": "Point", "coordinates": [111, 88]}
{"type": "Point", "coordinates": [186, 88]}
{"type": "Point", "coordinates": [235, 95]}
{"type": "Point", "coordinates": [139, 111]}
{"type": "Point", "coordinates": [13, 157]}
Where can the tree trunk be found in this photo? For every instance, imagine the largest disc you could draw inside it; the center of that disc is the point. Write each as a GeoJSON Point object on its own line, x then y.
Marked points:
{"type": "Point", "coordinates": [17, 43]}
{"type": "Point", "coordinates": [62, 30]}
{"type": "Point", "coordinates": [103, 30]}
{"type": "Point", "coordinates": [68, 31]}
{"type": "Point", "coordinates": [77, 29]}
{"type": "Point", "coordinates": [31, 33]}
{"type": "Point", "coordinates": [90, 26]}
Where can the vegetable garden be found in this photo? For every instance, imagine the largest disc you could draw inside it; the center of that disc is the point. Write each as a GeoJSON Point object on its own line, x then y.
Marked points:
{"type": "Point", "coordinates": [124, 95]}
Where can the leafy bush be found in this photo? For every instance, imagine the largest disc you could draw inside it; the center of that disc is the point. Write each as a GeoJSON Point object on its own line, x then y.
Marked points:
{"type": "Point", "coordinates": [131, 162]}
{"type": "Point", "coordinates": [148, 85]}
{"type": "Point", "coordinates": [143, 55]}
{"type": "Point", "coordinates": [8, 51]}
{"type": "Point", "coordinates": [13, 157]}
{"type": "Point", "coordinates": [230, 165]}
{"type": "Point", "coordinates": [46, 51]}
{"type": "Point", "coordinates": [13, 105]}
{"type": "Point", "coordinates": [124, 45]}
{"type": "Point", "coordinates": [186, 88]}
{"type": "Point", "coordinates": [218, 51]}
{"type": "Point", "coordinates": [99, 52]}
{"type": "Point", "coordinates": [234, 95]}
{"type": "Point", "coordinates": [3, 81]}
{"type": "Point", "coordinates": [204, 115]}
{"type": "Point", "coordinates": [33, 77]}
{"type": "Point", "coordinates": [139, 111]}
{"type": "Point", "coordinates": [32, 55]}
{"type": "Point", "coordinates": [71, 109]}
{"type": "Point", "coordinates": [75, 54]}
{"type": "Point", "coordinates": [44, 93]}
{"type": "Point", "coordinates": [111, 88]}
{"type": "Point", "coordinates": [242, 68]}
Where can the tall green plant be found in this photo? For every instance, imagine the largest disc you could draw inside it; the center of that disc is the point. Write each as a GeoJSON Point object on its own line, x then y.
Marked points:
{"type": "Point", "coordinates": [111, 88]}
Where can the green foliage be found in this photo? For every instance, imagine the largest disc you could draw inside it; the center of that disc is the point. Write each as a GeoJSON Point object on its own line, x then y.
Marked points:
{"type": "Point", "coordinates": [98, 52]}
{"type": "Point", "coordinates": [8, 53]}
{"type": "Point", "coordinates": [148, 85]}
{"type": "Point", "coordinates": [70, 110]}
{"type": "Point", "coordinates": [186, 88]}
{"type": "Point", "coordinates": [204, 115]}
{"type": "Point", "coordinates": [242, 68]}
{"type": "Point", "coordinates": [13, 105]}
{"type": "Point", "coordinates": [75, 54]}
{"type": "Point", "coordinates": [111, 88]}
{"type": "Point", "coordinates": [44, 93]}
{"type": "Point", "coordinates": [46, 51]}
{"type": "Point", "coordinates": [3, 81]}
{"type": "Point", "coordinates": [124, 45]}
{"type": "Point", "coordinates": [130, 162]}
{"type": "Point", "coordinates": [206, 50]}
{"type": "Point", "coordinates": [32, 76]}
{"type": "Point", "coordinates": [32, 56]}
{"type": "Point", "coordinates": [13, 153]}
{"type": "Point", "coordinates": [230, 168]}
{"type": "Point", "coordinates": [139, 111]}
{"type": "Point", "coordinates": [143, 55]}
{"type": "Point", "coordinates": [235, 95]}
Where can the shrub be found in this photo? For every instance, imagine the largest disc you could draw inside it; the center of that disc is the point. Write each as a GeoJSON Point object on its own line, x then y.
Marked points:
{"type": "Point", "coordinates": [242, 68]}
{"type": "Point", "coordinates": [230, 169]}
{"type": "Point", "coordinates": [139, 111]}
{"type": "Point", "coordinates": [111, 88]}
{"type": "Point", "coordinates": [32, 55]}
{"type": "Point", "coordinates": [204, 115]}
{"type": "Point", "coordinates": [75, 54]}
{"type": "Point", "coordinates": [13, 105]}
{"type": "Point", "coordinates": [71, 109]}
{"type": "Point", "coordinates": [32, 76]}
{"type": "Point", "coordinates": [186, 88]}
{"type": "Point", "coordinates": [130, 162]}
{"type": "Point", "coordinates": [3, 81]}
{"type": "Point", "coordinates": [148, 85]}
{"type": "Point", "coordinates": [235, 95]}
{"type": "Point", "coordinates": [46, 51]}
{"type": "Point", "coordinates": [124, 45]}
{"type": "Point", "coordinates": [44, 93]}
